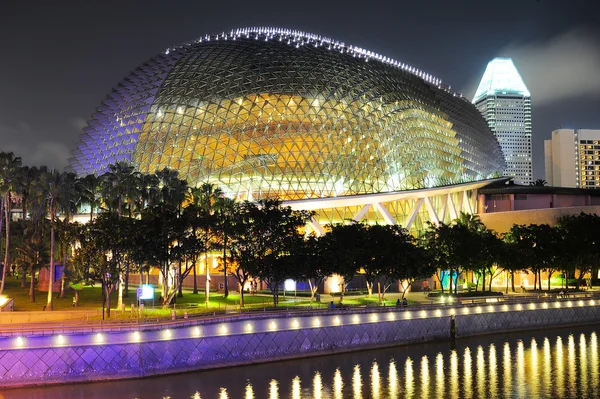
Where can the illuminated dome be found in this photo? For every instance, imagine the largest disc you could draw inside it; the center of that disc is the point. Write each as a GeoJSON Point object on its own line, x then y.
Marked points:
{"type": "Point", "coordinates": [267, 112]}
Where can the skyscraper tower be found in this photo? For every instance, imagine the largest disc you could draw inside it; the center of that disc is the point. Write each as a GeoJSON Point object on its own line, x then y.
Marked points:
{"type": "Point", "coordinates": [504, 101]}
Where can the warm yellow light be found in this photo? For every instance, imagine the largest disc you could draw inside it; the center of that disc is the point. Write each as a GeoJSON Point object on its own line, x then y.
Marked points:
{"type": "Point", "coordinates": [580, 303]}
{"type": "Point", "coordinates": [478, 309]}
{"type": "Point", "coordinates": [519, 307]}
{"type": "Point", "coordinates": [532, 306]}
{"type": "Point", "coordinates": [295, 324]}
{"type": "Point", "coordinates": [99, 338]}
{"type": "Point", "coordinates": [317, 322]}
{"type": "Point", "coordinates": [167, 333]}
{"type": "Point", "coordinates": [407, 315]}
{"type": "Point", "coordinates": [452, 311]}
{"type": "Point", "coordinates": [545, 305]}
{"type": "Point", "coordinates": [355, 319]}
{"type": "Point", "coordinates": [373, 317]}
{"type": "Point", "coordinates": [223, 329]}
{"type": "Point", "coordinates": [20, 341]}
{"type": "Point", "coordinates": [490, 308]}
{"type": "Point", "coordinates": [592, 302]}
{"type": "Point", "coordinates": [557, 304]}
{"type": "Point", "coordinates": [438, 313]}
{"type": "Point", "coordinates": [249, 327]}
{"type": "Point", "coordinates": [569, 304]}
{"type": "Point", "coordinates": [60, 340]}
{"type": "Point", "coordinates": [466, 310]}
{"type": "Point", "coordinates": [273, 325]}
{"type": "Point", "coordinates": [505, 307]}
{"type": "Point", "coordinates": [336, 320]}
{"type": "Point", "coordinates": [335, 283]}
{"type": "Point", "coordinates": [3, 300]}
{"type": "Point", "coordinates": [197, 331]}
{"type": "Point", "coordinates": [391, 316]}
{"type": "Point", "coordinates": [423, 313]}
{"type": "Point", "coordinates": [136, 335]}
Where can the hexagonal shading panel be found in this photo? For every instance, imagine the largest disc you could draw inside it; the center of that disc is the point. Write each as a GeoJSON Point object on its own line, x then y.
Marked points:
{"type": "Point", "coordinates": [275, 113]}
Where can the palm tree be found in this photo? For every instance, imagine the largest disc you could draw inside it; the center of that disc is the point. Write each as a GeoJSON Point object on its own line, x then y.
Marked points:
{"type": "Point", "coordinates": [10, 175]}
{"type": "Point", "coordinates": [471, 221]}
{"type": "Point", "coordinates": [90, 193]}
{"type": "Point", "coordinates": [539, 183]}
{"type": "Point", "coordinates": [56, 189]}
{"type": "Point", "coordinates": [119, 186]}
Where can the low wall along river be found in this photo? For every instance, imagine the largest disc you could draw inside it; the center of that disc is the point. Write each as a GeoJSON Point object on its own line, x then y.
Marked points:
{"type": "Point", "coordinates": [94, 353]}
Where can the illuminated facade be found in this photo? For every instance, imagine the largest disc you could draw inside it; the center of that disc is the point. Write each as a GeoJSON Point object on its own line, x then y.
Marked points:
{"type": "Point", "coordinates": [266, 113]}
{"type": "Point", "coordinates": [572, 158]}
{"type": "Point", "coordinates": [504, 101]}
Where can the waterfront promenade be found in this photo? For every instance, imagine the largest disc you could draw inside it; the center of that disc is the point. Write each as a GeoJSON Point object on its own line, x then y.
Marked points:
{"type": "Point", "coordinates": [46, 353]}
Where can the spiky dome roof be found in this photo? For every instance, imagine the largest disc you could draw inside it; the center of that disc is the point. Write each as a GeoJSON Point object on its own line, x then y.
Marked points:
{"type": "Point", "coordinates": [267, 112]}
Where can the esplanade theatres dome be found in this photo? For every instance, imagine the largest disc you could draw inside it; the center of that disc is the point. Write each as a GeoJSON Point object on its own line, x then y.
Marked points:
{"type": "Point", "coordinates": [266, 112]}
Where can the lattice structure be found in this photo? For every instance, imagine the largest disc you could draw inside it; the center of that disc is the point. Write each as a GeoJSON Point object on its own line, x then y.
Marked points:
{"type": "Point", "coordinates": [275, 113]}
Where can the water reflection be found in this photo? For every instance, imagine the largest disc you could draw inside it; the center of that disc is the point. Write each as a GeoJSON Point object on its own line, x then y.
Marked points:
{"type": "Point", "coordinates": [249, 392]}
{"type": "Point", "coordinates": [393, 380]}
{"type": "Point", "coordinates": [559, 364]}
{"type": "Point", "coordinates": [317, 385]}
{"type": "Point", "coordinates": [338, 384]}
{"type": "Point", "coordinates": [493, 371]}
{"type": "Point", "coordinates": [357, 382]}
{"type": "Point", "coordinates": [375, 383]}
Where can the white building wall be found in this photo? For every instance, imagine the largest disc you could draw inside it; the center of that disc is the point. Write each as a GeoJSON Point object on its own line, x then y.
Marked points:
{"type": "Point", "coordinates": [572, 158]}
{"type": "Point", "coordinates": [548, 162]}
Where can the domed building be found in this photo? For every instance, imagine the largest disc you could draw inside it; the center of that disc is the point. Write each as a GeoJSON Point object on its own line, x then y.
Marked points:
{"type": "Point", "coordinates": [273, 113]}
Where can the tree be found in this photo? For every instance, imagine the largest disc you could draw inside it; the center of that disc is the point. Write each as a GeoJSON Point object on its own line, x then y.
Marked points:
{"type": "Point", "coordinates": [90, 192]}
{"type": "Point", "coordinates": [264, 237]}
{"type": "Point", "coordinates": [413, 263]}
{"type": "Point", "coordinates": [451, 249]}
{"type": "Point", "coordinates": [393, 256]}
{"type": "Point", "coordinates": [311, 263]}
{"type": "Point", "coordinates": [119, 186]}
{"type": "Point", "coordinates": [164, 231]}
{"type": "Point", "coordinates": [205, 197]}
{"type": "Point", "coordinates": [103, 247]}
{"type": "Point", "coordinates": [581, 244]}
{"type": "Point", "coordinates": [55, 189]}
{"type": "Point", "coordinates": [10, 177]}
{"type": "Point", "coordinates": [225, 210]}
{"type": "Point", "coordinates": [343, 246]}
{"type": "Point", "coordinates": [539, 183]}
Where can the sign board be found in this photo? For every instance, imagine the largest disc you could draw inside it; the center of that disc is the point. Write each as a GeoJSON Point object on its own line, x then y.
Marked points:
{"type": "Point", "coordinates": [146, 291]}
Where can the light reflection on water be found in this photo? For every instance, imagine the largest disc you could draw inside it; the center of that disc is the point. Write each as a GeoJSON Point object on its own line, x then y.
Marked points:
{"type": "Point", "coordinates": [549, 364]}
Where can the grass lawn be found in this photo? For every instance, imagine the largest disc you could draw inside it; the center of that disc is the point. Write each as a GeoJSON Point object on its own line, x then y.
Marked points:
{"type": "Point", "coordinates": [90, 298]}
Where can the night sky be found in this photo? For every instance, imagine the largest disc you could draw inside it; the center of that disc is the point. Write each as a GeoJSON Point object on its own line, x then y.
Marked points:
{"type": "Point", "coordinates": [60, 59]}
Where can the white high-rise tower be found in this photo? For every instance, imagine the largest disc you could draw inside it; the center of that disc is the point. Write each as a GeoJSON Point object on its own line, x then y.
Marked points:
{"type": "Point", "coordinates": [504, 101]}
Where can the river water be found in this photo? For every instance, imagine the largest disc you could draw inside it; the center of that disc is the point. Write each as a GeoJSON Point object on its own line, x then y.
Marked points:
{"type": "Point", "coordinates": [560, 363]}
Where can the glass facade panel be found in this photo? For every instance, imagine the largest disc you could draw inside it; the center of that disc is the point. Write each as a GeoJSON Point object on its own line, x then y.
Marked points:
{"type": "Point", "coordinates": [274, 113]}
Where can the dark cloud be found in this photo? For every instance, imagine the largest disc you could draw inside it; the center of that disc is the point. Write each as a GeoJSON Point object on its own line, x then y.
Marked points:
{"type": "Point", "coordinates": [33, 147]}
{"type": "Point", "coordinates": [563, 68]}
